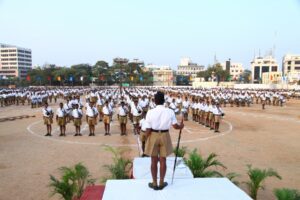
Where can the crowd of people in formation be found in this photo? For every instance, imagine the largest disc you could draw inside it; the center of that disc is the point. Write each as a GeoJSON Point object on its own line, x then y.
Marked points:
{"type": "Point", "coordinates": [100, 104]}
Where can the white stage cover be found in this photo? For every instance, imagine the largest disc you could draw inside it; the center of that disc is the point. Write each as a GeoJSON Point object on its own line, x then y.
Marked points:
{"type": "Point", "coordinates": [141, 169]}
{"type": "Point", "coordinates": [182, 189]}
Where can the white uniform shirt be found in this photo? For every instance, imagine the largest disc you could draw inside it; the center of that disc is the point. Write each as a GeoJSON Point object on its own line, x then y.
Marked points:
{"type": "Point", "coordinates": [106, 110]}
{"type": "Point", "coordinates": [60, 112]}
{"type": "Point", "coordinates": [77, 113]}
{"type": "Point", "coordinates": [217, 111]}
{"type": "Point", "coordinates": [143, 124]}
{"type": "Point", "coordinates": [135, 110]}
{"type": "Point", "coordinates": [91, 111]}
{"type": "Point", "coordinates": [160, 118]}
{"type": "Point", "coordinates": [47, 111]}
{"type": "Point", "coordinates": [122, 111]}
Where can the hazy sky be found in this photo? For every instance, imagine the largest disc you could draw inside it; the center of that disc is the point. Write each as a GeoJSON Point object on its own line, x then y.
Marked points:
{"type": "Point", "coordinates": [66, 32]}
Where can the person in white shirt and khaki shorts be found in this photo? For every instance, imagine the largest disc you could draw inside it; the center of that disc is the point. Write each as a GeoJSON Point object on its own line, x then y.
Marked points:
{"type": "Point", "coordinates": [91, 117]}
{"type": "Point", "coordinates": [159, 144]}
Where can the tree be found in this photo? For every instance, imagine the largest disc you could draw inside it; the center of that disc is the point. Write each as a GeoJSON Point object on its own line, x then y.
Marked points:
{"type": "Point", "coordinates": [216, 71]}
{"type": "Point", "coordinates": [72, 181]}
{"type": "Point", "coordinates": [246, 76]}
{"type": "Point", "coordinates": [182, 80]}
{"type": "Point", "coordinates": [200, 166]}
{"type": "Point", "coordinates": [256, 179]}
{"type": "Point", "coordinates": [287, 194]}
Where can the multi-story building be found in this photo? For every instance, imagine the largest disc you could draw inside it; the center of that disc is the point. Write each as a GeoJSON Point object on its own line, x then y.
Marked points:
{"type": "Point", "coordinates": [260, 65]}
{"type": "Point", "coordinates": [235, 69]}
{"type": "Point", "coordinates": [14, 61]}
{"type": "Point", "coordinates": [188, 68]}
{"type": "Point", "coordinates": [291, 68]}
{"type": "Point", "coordinates": [164, 76]}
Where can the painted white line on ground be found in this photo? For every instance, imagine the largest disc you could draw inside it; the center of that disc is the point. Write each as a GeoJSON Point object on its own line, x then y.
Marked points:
{"type": "Point", "coordinates": [29, 129]}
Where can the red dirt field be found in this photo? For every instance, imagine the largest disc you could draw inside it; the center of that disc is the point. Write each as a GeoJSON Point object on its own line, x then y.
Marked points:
{"type": "Point", "coordinates": [263, 138]}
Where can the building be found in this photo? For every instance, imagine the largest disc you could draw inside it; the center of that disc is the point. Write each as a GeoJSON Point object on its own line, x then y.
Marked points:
{"type": "Point", "coordinates": [140, 63]}
{"type": "Point", "coordinates": [235, 69]}
{"type": "Point", "coordinates": [164, 76]}
{"type": "Point", "coordinates": [271, 78]}
{"type": "Point", "coordinates": [291, 68]}
{"type": "Point", "coordinates": [260, 65]}
{"type": "Point", "coordinates": [188, 68]}
{"type": "Point", "coordinates": [14, 61]}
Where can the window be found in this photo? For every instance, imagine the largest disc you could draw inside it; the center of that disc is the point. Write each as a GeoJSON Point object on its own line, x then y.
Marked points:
{"type": "Point", "coordinates": [297, 62]}
{"type": "Point", "coordinates": [289, 68]}
{"type": "Point", "coordinates": [297, 68]}
{"type": "Point", "coordinates": [289, 62]}
{"type": "Point", "coordinates": [274, 68]}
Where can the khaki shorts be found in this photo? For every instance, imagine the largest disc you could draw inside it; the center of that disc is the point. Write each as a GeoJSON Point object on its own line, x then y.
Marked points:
{"type": "Point", "coordinates": [217, 118]}
{"type": "Point", "coordinates": [99, 108]}
{"type": "Point", "coordinates": [106, 119]}
{"type": "Point", "coordinates": [92, 121]}
{"type": "Point", "coordinates": [136, 119]}
{"type": "Point", "coordinates": [123, 119]}
{"type": "Point", "coordinates": [210, 115]}
{"type": "Point", "coordinates": [143, 136]}
{"type": "Point", "coordinates": [48, 120]}
{"type": "Point", "coordinates": [159, 144]}
{"type": "Point", "coordinates": [77, 122]}
{"type": "Point", "coordinates": [61, 121]}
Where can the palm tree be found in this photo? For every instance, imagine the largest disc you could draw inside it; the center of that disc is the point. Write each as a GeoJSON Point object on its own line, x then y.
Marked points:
{"type": "Point", "coordinates": [287, 194]}
{"type": "Point", "coordinates": [121, 166]}
{"type": "Point", "coordinates": [200, 166]}
{"type": "Point", "coordinates": [72, 183]}
{"type": "Point", "coordinates": [257, 177]}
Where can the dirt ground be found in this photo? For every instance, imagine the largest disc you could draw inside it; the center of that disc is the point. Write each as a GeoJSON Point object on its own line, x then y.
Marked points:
{"type": "Point", "coordinates": [268, 138]}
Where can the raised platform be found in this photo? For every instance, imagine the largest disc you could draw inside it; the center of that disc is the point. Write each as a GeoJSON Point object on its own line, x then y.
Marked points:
{"type": "Point", "coordinates": [191, 189]}
{"type": "Point", "coordinates": [141, 169]}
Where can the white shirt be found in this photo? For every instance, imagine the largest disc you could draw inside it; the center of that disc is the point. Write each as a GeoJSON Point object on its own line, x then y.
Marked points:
{"type": "Point", "coordinates": [77, 113]}
{"type": "Point", "coordinates": [122, 111]}
{"type": "Point", "coordinates": [160, 118]}
{"type": "Point", "coordinates": [135, 110]}
{"type": "Point", "coordinates": [217, 111]}
{"type": "Point", "coordinates": [143, 124]}
{"type": "Point", "coordinates": [60, 112]}
{"type": "Point", "coordinates": [47, 111]}
{"type": "Point", "coordinates": [106, 110]}
{"type": "Point", "coordinates": [91, 111]}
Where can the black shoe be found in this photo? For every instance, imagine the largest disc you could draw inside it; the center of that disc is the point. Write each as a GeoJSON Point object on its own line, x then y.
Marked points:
{"type": "Point", "coordinates": [61, 134]}
{"type": "Point", "coordinates": [80, 134]}
{"type": "Point", "coordinates": [211, 128]}
{"type": "Point", "coordinates": [152, 186]}
{"type": "Point", "coordinates": [90, 134]}
{"type": "Point", "coordinates": [47, 134]}
{"type": "Point", "coordinates": [161, 187]}
{"type": "Point", "coordinates": [76, 134]}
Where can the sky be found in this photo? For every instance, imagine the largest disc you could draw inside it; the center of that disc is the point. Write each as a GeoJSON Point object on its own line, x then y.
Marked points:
{"type": "Point", "coordinates": [66, 32]}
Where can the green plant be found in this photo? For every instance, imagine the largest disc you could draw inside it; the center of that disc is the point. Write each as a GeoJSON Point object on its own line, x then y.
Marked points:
{"type": "Point", "coordinates": [287, 194]}
{"type": "Point", "coordinates": [72, 183]}
{"type": "Point", "coordinates": [232, 176]}
{"type": "Point", "coordinates": [257, 177]}
{"type": "Point", "coordinates": [200, 166]}
{"type": "Point", "coordinates": [121, 166]}
{"type": "Point", "coordinates": [181, 151]}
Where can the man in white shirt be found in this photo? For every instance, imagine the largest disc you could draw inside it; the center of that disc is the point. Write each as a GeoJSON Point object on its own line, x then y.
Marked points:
{"type": "Point", "coordinates": [185, 108]}
{"type": "Point", "coordinates": [77, 116]}
{"type": "Point", "coordinates": [106, 118]}
{"type": "Point", "coordinates": [91, 117]}
{"type": "Point", "coordinates": [217, 111]}
{"type": "Point", "coordinates": [159, 144]}
{"type": "Point", "coordinates": [136, 112]}
{"type": "Point", "coordinates": [48, 118]}
{"type": "Point", "coordinates": [122, 117]}
{"type": "Point", "coordinates": [143, 136]}
{"type": "Point", "coordinates": [61, 119]}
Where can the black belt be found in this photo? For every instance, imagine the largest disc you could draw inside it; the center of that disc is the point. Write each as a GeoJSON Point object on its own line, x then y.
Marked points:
{"type": "Point", "coordinates": [123, 115]}
{"type": "Point", "coordinates": [159, 131]}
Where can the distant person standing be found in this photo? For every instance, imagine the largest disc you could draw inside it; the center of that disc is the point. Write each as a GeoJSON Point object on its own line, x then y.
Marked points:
{"type": "Point", "coordinates": [107, 112]}
{"type": "Point", "coordinates": [122, 117]}
{"type": "Point", "coordinates": [218, 113]}
{"type": "Point", "coordinates": [77, 116]}
{"type": "Point", "coordinates": [91, 117]}
{"type": "Point", "coordinates": [48, 118]}
{"type": "Point", "coordinates": [159, 144]}
{"type": "Point", "coordinates": [61, 119]}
